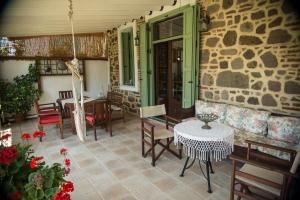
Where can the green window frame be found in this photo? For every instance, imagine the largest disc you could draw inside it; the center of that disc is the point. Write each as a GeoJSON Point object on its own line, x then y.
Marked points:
{"type": "Point", "coordinates": [190, 55]}
{"type": "Point", "coordinates": [127, 57]}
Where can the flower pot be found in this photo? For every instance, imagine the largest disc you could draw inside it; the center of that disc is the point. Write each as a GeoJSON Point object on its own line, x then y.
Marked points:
{"type": "Point", "coordinates": [20, 117]}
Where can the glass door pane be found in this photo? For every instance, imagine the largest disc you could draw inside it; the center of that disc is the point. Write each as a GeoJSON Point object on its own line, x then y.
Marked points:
{"type": "Point", "coordinates": [161, 68]}
{"type": "Point", "coordinates": [168, 28]}
{"type": "Point", "coordinates": [175, 98]}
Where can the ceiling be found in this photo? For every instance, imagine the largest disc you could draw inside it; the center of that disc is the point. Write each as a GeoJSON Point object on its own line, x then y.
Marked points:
{"type": "Point", "coordinates": [50, 17]}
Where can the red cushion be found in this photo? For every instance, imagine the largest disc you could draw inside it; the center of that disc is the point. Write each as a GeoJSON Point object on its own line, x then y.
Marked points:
{"type": "Point", "coordinates": [90, 119]}
{"type": "Point", "coordinates": [52, 119]}
{"type": "Point", "coordinates": [48, 111]}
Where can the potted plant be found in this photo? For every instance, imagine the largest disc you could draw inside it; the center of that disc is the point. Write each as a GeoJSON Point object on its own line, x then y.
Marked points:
{"type": "Point", "coordinates": [25, 176]}
{"type": "Point", "coordinates": [18, 96]}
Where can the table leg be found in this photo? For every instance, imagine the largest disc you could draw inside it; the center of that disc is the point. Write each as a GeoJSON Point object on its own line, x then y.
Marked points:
{"type": "Point", "coordinates": [208, 176]}
{"type": "Point", "coordinates": [211, 169]}
{"type": "Point", "coordinates": [208, 166]}
{"type": "Point", "coordinates": [185, 165]}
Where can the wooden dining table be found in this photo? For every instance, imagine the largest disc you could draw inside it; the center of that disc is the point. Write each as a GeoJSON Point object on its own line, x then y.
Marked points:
{"type": "Point", "coordinates": [68, 105]}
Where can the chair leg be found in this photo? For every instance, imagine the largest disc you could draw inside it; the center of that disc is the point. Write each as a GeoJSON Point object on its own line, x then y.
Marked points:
{"type": "Point", "coordinates": [123, 115]}
{"type": "Point", "coordinates": [110, 128]}
{"type": "Point", "coordinates": [40, 129]}
{"type": "Point", "coordinates": [95, 134]}
{"type": "Point", "coordinates": [143, 144]}
{"type": "Point", "coordinates": [241, 190]}
{"type": "Point", "coordinates": [61, 131]}
{"type": "Point", "coordinates": [153, 152]}
{"type": "Point", "coordinates": [232, 180]}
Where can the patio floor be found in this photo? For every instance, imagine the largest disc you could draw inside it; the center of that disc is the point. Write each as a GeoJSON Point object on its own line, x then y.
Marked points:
{"type": "Point", "coordinates": [112, 168]}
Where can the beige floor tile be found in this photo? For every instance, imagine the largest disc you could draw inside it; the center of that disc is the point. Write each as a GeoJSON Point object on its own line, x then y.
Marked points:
{"type": "Point", "coordinates": [112, 168]}
{"type": "Point", "coordinates": [116, 191]}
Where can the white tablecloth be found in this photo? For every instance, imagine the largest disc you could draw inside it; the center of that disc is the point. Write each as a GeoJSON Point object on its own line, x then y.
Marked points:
{"type": "Point", "coordinates": [64, 101]}
{"type": "Point", "coordinates": [216, 142]}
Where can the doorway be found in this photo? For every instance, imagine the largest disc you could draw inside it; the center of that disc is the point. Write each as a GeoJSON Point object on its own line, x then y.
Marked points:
{"type": "Point", "coordinates": [168, 77]}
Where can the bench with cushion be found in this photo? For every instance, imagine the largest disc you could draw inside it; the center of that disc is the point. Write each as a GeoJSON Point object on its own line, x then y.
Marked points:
{"type": "Point", "coordinates": [256, 125]}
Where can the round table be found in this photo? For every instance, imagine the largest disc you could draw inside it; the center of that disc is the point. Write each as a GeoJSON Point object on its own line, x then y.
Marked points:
{"type": "Point", "coordinates": [204, 144]}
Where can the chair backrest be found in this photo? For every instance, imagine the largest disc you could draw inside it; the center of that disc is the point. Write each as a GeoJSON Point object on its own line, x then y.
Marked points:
{"type": "Point", "coordinates": [100, 109]}
{"type": "Point", "coordinates": [65, 94]}
{"type": "Point", "coordinates": [152, 111]}
{"type": "Point", "coordinates": [115, 98]}
{"type": "Point", "coordinates": [296, 162]}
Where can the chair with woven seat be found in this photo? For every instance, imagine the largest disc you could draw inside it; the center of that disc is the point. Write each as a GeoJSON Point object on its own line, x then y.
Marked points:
{"type": "Point", "coordinates": [262, 178]}
{"type": "Point", "coordinates": [154, 132]}
{"type": "Point", "coordinates": [116, 103]}
{"type": "Point", "coordinates": [49, 114]}
{"type": "Point", "coordinates": [98, 113]}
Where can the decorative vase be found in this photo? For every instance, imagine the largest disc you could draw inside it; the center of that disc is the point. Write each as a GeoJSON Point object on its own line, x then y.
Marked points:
{"type": "Point", "coordinates": [204, 117]}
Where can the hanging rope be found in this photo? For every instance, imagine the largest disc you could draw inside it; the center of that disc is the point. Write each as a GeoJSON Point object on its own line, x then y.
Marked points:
{"type": "Point", "coordinates": [72, 26]}
{"type": "Point", "coordinates": [79, 114]}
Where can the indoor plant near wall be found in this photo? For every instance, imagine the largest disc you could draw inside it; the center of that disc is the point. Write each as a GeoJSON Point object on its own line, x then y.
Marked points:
{"type": "Point", "coordinates": [17, 97]}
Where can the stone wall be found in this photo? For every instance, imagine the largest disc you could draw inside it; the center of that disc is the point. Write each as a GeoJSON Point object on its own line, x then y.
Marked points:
{"type": "Point", "coordinates": [250, 56]}
{"type": "Point", "coordinates": [131, 99]}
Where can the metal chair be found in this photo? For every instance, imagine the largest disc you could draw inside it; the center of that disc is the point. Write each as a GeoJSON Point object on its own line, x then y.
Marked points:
{"type": "Point", "coordinates": [98, 113]}
{"type": "Point", "coordinates": [262, 178]}
{"type": "Point", "coordinates": [154, 132]}
{"type": "Point", "coordinates": [48, 114]}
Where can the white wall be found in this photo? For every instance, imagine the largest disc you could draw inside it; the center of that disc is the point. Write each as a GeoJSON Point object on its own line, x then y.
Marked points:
{"type": "Point", "coordinates": [97, 78]}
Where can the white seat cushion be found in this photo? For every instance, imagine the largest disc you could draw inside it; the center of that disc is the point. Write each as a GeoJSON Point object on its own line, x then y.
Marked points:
{"type": "Point", "coordinates": [115, 108]}
{"type": "Point", "coordinates": [261, 173]}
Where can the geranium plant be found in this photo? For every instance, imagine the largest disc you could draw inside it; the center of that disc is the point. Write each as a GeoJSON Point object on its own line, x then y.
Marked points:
{"type": "Point", "coordinates": [25, 176]}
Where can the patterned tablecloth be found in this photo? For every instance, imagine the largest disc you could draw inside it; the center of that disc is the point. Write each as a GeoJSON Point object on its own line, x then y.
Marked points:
{"type": "Point", "coordinates": [217, 142]}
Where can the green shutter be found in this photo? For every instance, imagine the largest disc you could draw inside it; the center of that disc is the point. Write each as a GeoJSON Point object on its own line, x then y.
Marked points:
{"type": "Point", "coordinates": [144, 65]}
{"type": "Point", "coordinates": [151, 69]}
{"type": "Point", "coordinates": [189, 57]}
{"type": "Point", "coordinates": [126, 57]}
{"type": "Point", "coordinates": [131, 60]}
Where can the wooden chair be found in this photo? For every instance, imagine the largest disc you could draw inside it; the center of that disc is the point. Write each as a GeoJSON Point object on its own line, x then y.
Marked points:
{"type": "Point", "coordinates": [98, 113]}
{"type": "Point", "coordinates": [116, 102]}
{"type": "Point", "coordinates": [262, 178]}
{"type": "Point", "coordinates": [48, 114]}
{"type": "Point", "coordinates": [154, 132]}
{"type": "Point", "coordinates": [68, 94]}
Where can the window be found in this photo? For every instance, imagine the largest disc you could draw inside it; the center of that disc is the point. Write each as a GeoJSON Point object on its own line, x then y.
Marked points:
{"type": "Point", "coordinates": [168, 28]}
{"type": "Point", "coordinates": [127, 57]}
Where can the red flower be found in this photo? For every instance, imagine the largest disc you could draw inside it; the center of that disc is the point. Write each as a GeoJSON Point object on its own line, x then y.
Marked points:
{"type": "Point", "coordinates": [67, 187]}
{"type": "Point", "coordinates": [39, 134]}
{"type": "Point", "coordinates": [15, 196]}
{"type": "Point", "coordinates": [62, 196]}
{"type": "Point", "coordinates": [26, 136]}
{"type": "Point", "coordinates": [5, 137]}
{"type": "Point", "coordinates": [8, 154]}
{"type": "Point", "coordinates": [67, 162]}
{"type": "Point", "coordinates": [63, 151]}
{"type": "Point", "coordinates": [33, 162]}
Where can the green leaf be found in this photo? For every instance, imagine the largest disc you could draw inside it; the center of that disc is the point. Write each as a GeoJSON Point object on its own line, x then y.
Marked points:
{"type": "Point", "coordinates": [40, 194]}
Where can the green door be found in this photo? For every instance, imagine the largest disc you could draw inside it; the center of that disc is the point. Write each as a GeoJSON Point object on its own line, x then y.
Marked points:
{"type": "Point", "coordinates": [189, 57]}
{"type": "Point", "coordinates": [144, 89]}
